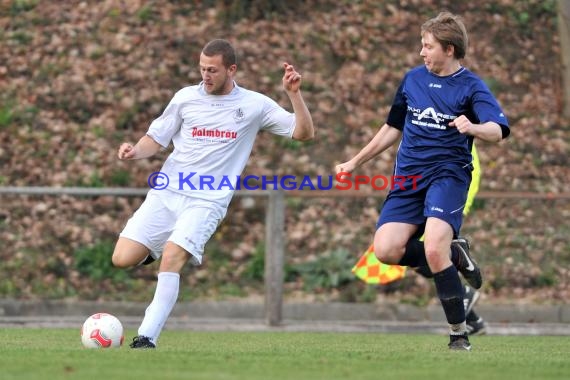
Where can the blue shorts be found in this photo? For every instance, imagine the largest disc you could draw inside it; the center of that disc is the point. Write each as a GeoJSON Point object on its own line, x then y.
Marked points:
{"type": "Point", "coordinates": [443, 196]}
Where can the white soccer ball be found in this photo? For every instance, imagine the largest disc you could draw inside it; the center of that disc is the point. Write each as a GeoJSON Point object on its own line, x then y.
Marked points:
{"type": "Point", "coordinates": [102, 330]}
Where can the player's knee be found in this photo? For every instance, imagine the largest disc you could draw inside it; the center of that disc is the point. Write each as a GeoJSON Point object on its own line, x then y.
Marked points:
{"type": "Point", "coordinates": [386, 255]}
{"type": "Point", "coordinates": [436, 258]}
{"type": "Point", "coordinates": [380, 254]}
{"type": "Point", "coordinates": [173, 258]}
{"type": "Point", "coordinates": [120, 260]}
{"type": "Point", "coordinates": [128, 253]}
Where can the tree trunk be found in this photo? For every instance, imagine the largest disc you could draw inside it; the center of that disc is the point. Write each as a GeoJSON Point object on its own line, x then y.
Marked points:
{"type": "Point", "coordinates": [564, 32]}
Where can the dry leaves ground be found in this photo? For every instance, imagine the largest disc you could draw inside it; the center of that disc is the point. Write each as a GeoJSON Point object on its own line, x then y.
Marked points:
{"type": "Point", "coordinates": [79, 77]}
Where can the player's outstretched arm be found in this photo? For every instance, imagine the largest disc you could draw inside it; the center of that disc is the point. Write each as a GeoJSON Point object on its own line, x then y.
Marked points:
{"type": "Point", "coordinates": [385, 138]}
{"type": "Point", "coordinates": [304, 128]}
{"type": "Point", "coordinates": [146, 147]}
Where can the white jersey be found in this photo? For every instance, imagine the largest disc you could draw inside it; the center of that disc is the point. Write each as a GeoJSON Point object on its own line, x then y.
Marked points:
{"type": "Point", "coordinates": [213, 136]}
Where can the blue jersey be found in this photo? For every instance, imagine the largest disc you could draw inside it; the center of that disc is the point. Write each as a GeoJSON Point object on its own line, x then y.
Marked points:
{"type": "Point", "coordinates": [424, 105]}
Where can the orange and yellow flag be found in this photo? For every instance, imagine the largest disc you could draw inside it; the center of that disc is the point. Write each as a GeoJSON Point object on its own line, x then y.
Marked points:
{"type": "Point", "coordinates": [372, 271]}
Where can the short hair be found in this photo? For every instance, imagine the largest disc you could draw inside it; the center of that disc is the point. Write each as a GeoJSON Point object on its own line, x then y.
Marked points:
{"type": "Point", "coordinates": [223, 48]}
{"type": "Point", "coordinates": [448, 29]}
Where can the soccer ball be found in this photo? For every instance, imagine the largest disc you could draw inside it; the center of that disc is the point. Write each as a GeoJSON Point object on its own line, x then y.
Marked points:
{"type": "Point", "coordinates": [102, 330]}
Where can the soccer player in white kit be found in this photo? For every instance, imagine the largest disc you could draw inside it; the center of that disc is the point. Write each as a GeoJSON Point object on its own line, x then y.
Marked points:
{"type": "Point", "coordinates": [212, 127]}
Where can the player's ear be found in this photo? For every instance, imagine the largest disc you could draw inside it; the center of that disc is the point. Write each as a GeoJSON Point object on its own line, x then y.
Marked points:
{"type": "Point", "coordinates": [232, 69]}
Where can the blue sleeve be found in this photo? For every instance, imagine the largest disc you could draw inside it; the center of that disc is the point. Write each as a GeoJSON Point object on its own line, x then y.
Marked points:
{"type": "Point", "coordinates": [397, 116]}
{"type": "Point", "coordinates": [486, 108]}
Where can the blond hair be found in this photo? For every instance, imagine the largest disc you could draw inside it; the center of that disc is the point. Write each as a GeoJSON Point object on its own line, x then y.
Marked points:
{"type": "Point", "coordinates": [448, 29]}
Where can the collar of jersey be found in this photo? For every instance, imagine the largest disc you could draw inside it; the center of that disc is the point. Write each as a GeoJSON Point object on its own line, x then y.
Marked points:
{"type": "Point", "coordinates": [202, 92]}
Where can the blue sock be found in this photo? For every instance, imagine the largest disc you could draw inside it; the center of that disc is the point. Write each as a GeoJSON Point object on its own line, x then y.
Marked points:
{"type": "Point", "coordinates": [450, 292]}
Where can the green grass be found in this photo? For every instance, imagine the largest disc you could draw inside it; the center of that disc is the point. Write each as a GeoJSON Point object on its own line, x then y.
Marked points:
{"type": "Point", "coordinates": [57, 354]}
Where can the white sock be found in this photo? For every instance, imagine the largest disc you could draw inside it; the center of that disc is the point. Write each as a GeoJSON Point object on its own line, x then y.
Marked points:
{"type": "Point", "coordinates": [162, 304]}
{"type": "Point", "coordinates": [458, 329]}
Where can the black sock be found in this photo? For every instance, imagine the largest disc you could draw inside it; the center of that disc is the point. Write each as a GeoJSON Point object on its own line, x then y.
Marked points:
{"type": "Point", "coordinates": [472, 316]}
{"type": "Point", "coordinates": [415, 254]}
{"type": "Point", "coordinates": [424, 271]}
{"type": "Point", "coordinates": [450, 292]}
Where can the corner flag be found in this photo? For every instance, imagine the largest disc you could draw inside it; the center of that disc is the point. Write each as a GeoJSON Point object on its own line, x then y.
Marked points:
{"type": "Point", "coordinates": [370, 270]}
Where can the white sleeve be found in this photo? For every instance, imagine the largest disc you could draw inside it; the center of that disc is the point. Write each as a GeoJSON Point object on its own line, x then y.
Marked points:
{"type": "Point", "coordinates": [166, 125]}
{"type": "Point", "coordinates": [276, 119]}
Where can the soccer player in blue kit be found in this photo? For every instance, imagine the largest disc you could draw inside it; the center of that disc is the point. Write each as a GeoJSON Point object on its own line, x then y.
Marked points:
{"type": "Point", "coordinates": [439, 108]}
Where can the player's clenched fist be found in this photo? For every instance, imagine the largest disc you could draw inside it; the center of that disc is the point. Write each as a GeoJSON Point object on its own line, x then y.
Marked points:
{"type": "Point", "coordinates": [291, 78]}
{"type": "Point", "coordinates": [126, 151]}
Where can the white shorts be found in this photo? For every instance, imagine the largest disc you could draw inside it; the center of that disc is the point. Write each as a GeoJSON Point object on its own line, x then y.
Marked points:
{"type": "Point", "coordinates": [168, 216]}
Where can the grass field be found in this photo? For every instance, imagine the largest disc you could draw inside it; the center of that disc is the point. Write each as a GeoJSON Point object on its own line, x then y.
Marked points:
{"type": "Point", "coordinates": [57, 354]}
